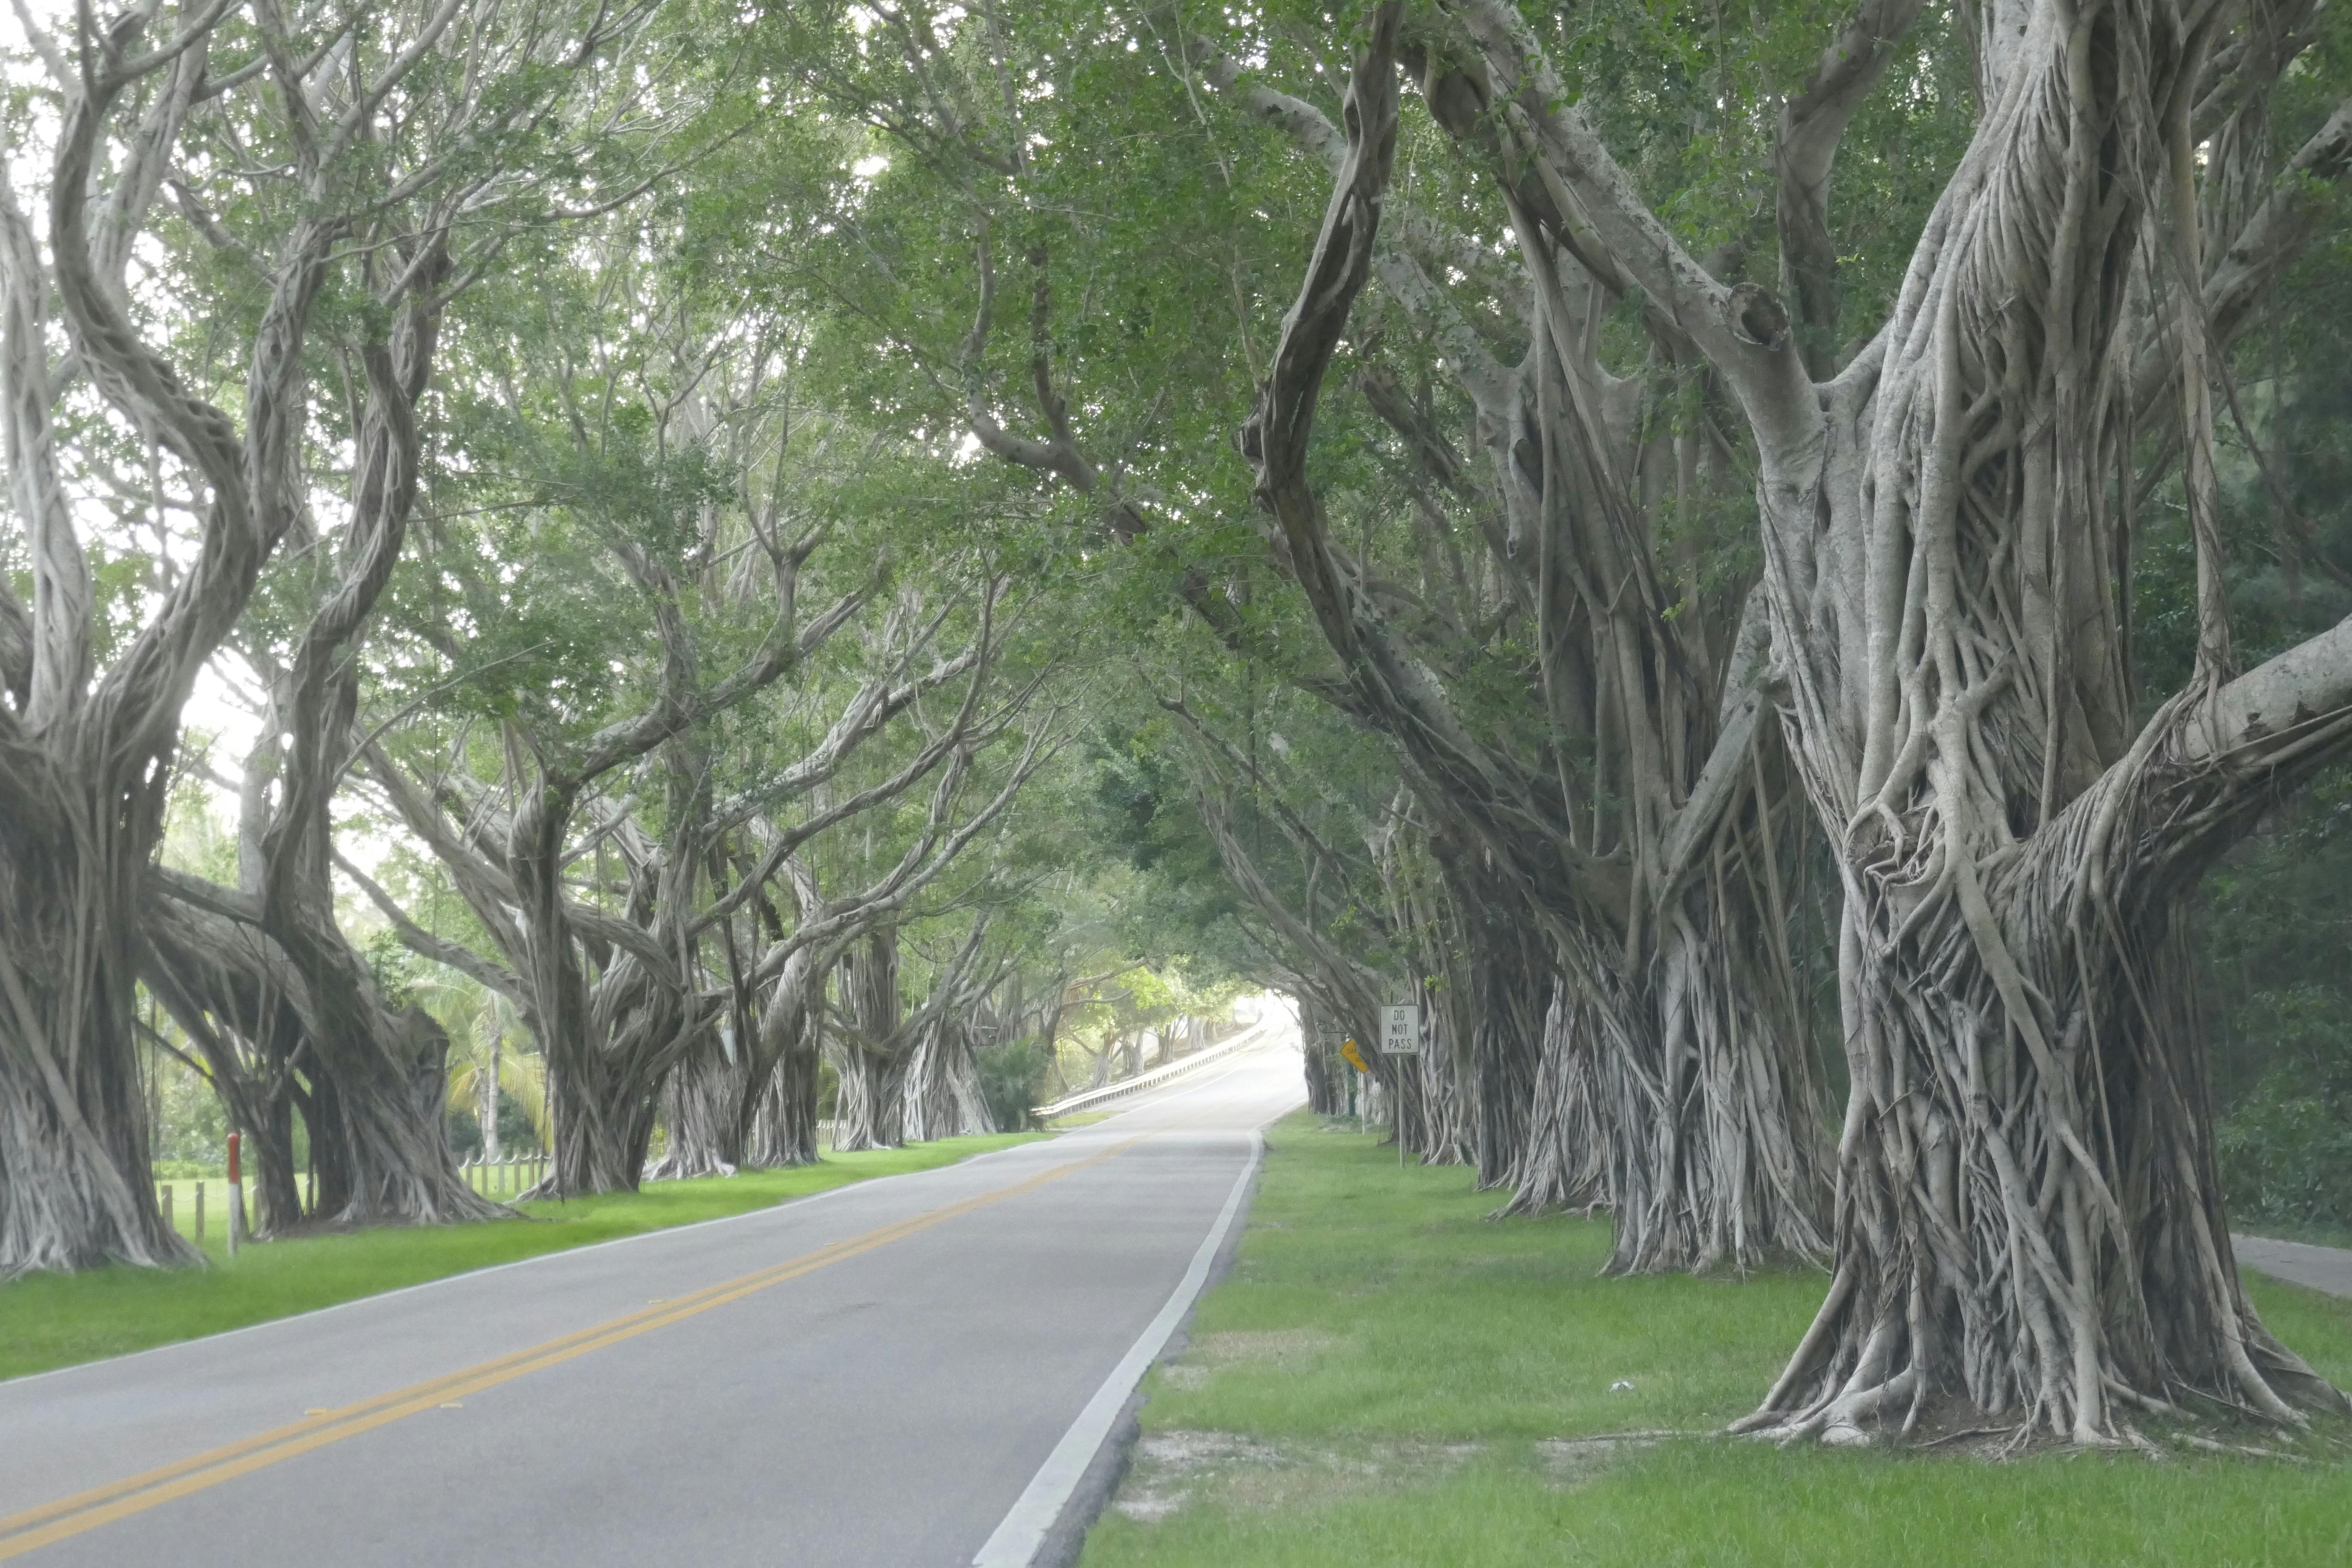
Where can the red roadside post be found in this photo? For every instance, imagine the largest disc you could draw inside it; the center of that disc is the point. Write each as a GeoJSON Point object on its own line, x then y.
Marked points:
{"type": "Point", "coordinates": [235, 1195]}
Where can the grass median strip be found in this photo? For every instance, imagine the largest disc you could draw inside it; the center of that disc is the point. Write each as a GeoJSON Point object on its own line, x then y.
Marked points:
{"type": "Point", "coordinates": [87, 1510]}
{"type": "Point", "coordinates": [53, 1321]}
{"type": "Point", "coordinates": [1389, 1377]}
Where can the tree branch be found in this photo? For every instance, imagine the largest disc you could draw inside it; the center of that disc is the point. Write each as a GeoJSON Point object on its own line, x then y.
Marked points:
{"type": "Point", "coordinates": [425, 944]}
{"type": "Point", "coordinates": [1595, 212]}
{"type": "Point", "coordinates": [1812, 122]}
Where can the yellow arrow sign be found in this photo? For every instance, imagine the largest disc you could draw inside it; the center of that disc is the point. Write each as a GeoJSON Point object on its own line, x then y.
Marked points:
{"type": "Point", "coordinates": [1355, 1057]}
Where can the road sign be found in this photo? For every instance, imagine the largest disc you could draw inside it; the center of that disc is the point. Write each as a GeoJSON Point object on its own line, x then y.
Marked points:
{"type": "Point", "coordinates": [1355, 1057]}
{"type": "Point", "coordinates": [1402, 1031]}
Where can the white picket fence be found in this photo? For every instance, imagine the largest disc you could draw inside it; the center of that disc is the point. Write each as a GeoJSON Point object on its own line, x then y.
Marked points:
{"type": "Point", "coordinates": [504, 1178]}
{"type": "Point", "coordinates": [1087, 1099]}
{"type": "Point", "coordinates": [198, 1208]}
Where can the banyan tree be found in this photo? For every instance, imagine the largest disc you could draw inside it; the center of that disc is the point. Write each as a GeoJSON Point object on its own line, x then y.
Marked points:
{"type": "Point", "coordinates": [371, 124]}
{"type": "Point", "coordinates": [2029, 1228]}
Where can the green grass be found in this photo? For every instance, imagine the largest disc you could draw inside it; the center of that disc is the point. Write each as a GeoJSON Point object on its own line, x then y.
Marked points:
{"type": "Point", "coordinates": [1377, 1380]}
{"type": "Point", "coordinates": [51, 1320]}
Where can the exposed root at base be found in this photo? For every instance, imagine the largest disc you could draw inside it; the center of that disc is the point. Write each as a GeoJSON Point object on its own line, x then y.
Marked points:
{"type": "Point", "coordinates": [1949, 1425]}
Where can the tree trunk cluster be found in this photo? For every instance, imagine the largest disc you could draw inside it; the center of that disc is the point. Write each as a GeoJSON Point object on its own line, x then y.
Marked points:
{"type": "Point", "coordinates": [2027, 1226]}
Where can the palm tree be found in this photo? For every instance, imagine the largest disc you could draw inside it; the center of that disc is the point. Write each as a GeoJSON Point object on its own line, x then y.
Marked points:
{"type": "Point", "coordinates": [489, 1045]}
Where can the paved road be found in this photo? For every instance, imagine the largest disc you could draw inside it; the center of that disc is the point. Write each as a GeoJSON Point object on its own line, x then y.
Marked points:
{"type": "Point", "coordinates": [2325, 1268]}
{"type": "Point", "coordinates": [870, 1378]}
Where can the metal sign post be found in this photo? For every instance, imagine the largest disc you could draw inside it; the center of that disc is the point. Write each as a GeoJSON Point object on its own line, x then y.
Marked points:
{"type": "Point", "coordinates": [1354, 1058]}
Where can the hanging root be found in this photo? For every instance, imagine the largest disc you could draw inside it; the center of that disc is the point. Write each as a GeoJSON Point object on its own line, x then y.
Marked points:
{"type": "Point", "coordinates": [1560, 1170]}
{"type": "Point", "coordinates": [2030, 1223]}
{"type": "Point", "coordinates": [1684, 1108]}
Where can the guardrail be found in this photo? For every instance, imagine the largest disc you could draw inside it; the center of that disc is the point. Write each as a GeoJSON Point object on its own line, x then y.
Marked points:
{"type": "Point", "coordinates": [1086, 1099]}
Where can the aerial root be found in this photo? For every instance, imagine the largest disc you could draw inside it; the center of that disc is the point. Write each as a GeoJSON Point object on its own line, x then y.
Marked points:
{"type": "Point", "coordinates": [1838, 1422]}
{"type": "Point", "coordinates": [2212, 1446]}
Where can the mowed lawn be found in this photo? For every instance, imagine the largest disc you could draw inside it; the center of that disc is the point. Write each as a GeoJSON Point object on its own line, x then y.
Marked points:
{"type": "Point", "coordinates": [1389, 1377]}
{"type": "Point", "coordinates": [51, 1320]}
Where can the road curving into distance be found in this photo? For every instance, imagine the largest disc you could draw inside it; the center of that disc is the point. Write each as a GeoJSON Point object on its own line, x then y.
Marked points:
{"type": "Point", "coordinates": [913, 1370]}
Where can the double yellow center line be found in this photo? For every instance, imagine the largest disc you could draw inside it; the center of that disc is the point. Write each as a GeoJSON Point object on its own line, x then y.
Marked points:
{"type": "Point", "coordinates": [67, 1517]}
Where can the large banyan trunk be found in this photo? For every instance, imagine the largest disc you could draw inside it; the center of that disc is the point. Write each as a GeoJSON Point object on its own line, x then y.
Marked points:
{"type": "Point", "coordinates": [777, 1112]}
{"type": "Point", "coordinates": [387, 1139]}
{"type": "Point", "coordinates": [704, 1098]}
{"type": "Point", "coordinates": [1441, 1124]}
{"type": "Point", "coordinates": [869, 1056]}
{"type": "Point", "coordinates": [276, 1180]}
{"type": "Point", "coordinates": [600, 1113]}
{"type": "Point", "coordinates": [604, 1081]}
{"type": "Point", "coordinates": [1674, 1089]}
{"type": "Point", "coordinates": [377, 1098]}
{"type": "Point", "coordinates": [870, 1100]}
{"type": "Point", "coordinates": [1327, 1092]}
{"type": "Point", "coordinates": [1509, 978]}
{"type": "Point", "coordinates": [75, 1188]}
{"type": "Point", "coordinates": [784, 1120]}
{"type": "Point", "coordinates": [1683, 1098]}
{"type": "Point", "coordinates": [598, 1043]}
{"type": "Point", "coordinates": [699, 1106]}
{"type": "Point", "coordinates": [1565, 1163]}
{"type": "Point", "coordinates": [942, 1097]}
{"type": "Point", "coordinates": [2030, 1221]}
{"type": "Point", "coordinates": [602, 1127]}
{"type": "Point", "coordinates": [294, 989]}
{"type": "Point", "coordinates": [85, 759]}
{"type": "Point", "coordinates": [783, 1127]}
{"type": "Point", "coordinates": [1698, 1100]}
{"type": "Point", "coordinates": [2028, 1226]}
{"type": "Point", "coordinates": [387, 1068]}
{"type": "Point", "coordinates": [1603, 860]}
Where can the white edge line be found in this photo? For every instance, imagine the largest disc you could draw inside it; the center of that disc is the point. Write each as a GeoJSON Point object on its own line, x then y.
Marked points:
{"type": "Point", "coordinates": [1017, 1540]}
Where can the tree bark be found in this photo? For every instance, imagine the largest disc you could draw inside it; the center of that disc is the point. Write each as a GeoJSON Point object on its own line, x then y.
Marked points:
{"type": "Point", "coordinates": [2029, 1228]}
{"type": "Point", "coordinates": [84, 767]}
{"type": "Point", "coordinates": [1635, 872]}
{"type": "Point", "coordinates": [942, 1085]}
{"type": "Point", "coordinates": [75, 1188]}
{"type": "Point", "coordinates": [2031, 1225]}
{"type": "Point", "coordinates": [779, 1110]}
{"type": "Point", "coordinates": [870, 1055]}
{"type": "Point", "coordinates": [698, 1104]}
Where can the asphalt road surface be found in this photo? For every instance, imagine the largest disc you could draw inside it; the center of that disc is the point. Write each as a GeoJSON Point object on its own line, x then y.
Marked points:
{"type": "Point", "coordinates": [870, 1378]}
{"type": "Point", "coordinates": [2325, 1268]}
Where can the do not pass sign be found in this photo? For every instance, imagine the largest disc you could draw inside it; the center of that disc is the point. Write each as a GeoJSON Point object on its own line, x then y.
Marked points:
{"type": "Point", "coordinates": [1401, 1030]}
